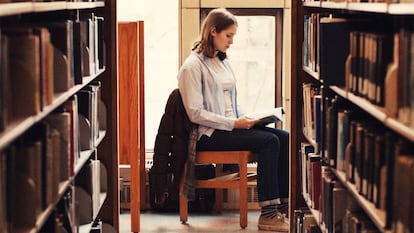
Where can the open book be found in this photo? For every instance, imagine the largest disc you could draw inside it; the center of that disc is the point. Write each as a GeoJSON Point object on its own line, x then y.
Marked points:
{"type": "Point", "coordinates": [268, 116]}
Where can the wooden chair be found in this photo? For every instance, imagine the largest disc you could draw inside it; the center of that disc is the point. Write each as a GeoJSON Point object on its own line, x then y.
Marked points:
{"type": "Point", "coordinates": [238, 180]}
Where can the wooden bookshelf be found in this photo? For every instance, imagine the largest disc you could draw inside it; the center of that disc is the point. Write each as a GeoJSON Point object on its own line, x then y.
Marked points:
{"type": "Point", "coordinates": [357, 102]}
{"type": "Point", "coordinates": [104, 152]}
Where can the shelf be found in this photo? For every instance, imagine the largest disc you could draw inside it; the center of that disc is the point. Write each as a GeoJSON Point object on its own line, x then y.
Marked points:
{"type": "Point", "coordinates": [311, 141]}
{"type": "Point", "coordinates": [7, 9]}
{"type": "Point", "coordinates": [401, 9]}
{"type": "Point", "coordinates": [84, 5]}
{"type": "Point", "coordinates": [87, 227]}
{"type": "Point", "coordinates": [312, 3]}
{"type": "Point", "coordinates": [373, 7]}
{"type": "Point", "coordinates": [334, 5]}
{"type": "Point", "coordinates": [49, 6]}
{"type": "Point", "coordinates": [368, 7]}
{"type": "Point", "coordinates": [63, 186]}
{"type": "Point", "coordinates": [17, 128]}
{"type": "Point", "coordinates": [377, 112]}
{"type": "Point", "coordinates": [377, 216]}
{"type": "Point", "coordinates": [311, 72]}
{"type": "Point", "coordinates": [316, 214]}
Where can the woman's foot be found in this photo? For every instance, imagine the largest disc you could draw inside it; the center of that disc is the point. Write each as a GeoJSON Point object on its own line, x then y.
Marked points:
{"type": "Point", "coordinates": [275, 223]}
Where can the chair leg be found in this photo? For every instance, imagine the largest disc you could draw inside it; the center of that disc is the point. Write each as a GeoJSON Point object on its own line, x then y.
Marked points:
{"type": "Point", "coordinates": [183, 208]}
{"type": "Point", "coordinates": [243, 193]}
{"type": "Point", "coordinates": [183, 201]}
{"type": "Point", "coordinates": [218, 204]}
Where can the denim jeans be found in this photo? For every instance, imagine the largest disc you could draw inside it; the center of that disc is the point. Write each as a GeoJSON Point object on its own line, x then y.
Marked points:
{"type": "Point", "coordinates": [272, 147]}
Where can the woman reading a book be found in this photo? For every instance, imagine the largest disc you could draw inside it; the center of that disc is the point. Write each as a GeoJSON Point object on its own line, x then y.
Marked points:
{"type": "Point", "coordinates": [208, 88]}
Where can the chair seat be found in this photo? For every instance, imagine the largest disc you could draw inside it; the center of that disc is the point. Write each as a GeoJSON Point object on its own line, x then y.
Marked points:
{"type": "Point", "coordinates": [226, 181]}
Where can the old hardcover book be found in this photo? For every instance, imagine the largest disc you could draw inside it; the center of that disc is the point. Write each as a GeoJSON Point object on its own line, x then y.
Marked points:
{"type": "Point", "coordinates": [24, 67]}
{"type": "Point", "coordinates": [46, 65]}
{"type": "Point", "coordinates": [403, 188]}
{"type": "Point", "coordinates": [4, 82]}
{"type": "Point", "coordinates": [340, 198]}
{"type": "Point", "coordinates": [61, 122]}
{"type": "Point", "coordinates": [61, 34]}
{"type": "Point", "coordinates": [3, 193]}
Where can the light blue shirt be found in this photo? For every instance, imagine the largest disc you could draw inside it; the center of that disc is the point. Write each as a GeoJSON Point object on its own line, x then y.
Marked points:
{"type": "Point", "coordinates": [203, 96]}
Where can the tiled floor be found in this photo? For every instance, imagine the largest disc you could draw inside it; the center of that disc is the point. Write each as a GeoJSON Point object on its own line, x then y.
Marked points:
{"type": "Point", "coordinates": [212, 222]}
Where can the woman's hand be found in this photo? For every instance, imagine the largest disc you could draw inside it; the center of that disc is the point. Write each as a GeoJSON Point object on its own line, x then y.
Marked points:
{"type": "Point", "coordinates": [245, 123]}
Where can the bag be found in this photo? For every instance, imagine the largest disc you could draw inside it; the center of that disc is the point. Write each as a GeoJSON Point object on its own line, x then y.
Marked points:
{"type": "Point", "coordinates": [164, 190]}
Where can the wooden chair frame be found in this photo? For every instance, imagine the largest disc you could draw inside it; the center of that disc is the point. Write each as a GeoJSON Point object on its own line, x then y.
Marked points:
{"type": "Point", "coordinates": [242, 158]}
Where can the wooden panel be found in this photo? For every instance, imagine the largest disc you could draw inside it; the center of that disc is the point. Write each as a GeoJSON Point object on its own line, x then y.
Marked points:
{"type": "Point", "coordinates": [141, 107]}
{"type": "Point", "coordinates": [130, 71]}
{"type": "Point", "coordinates": [108, 149]}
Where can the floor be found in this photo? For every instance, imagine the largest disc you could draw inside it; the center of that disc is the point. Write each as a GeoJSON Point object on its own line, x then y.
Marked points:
{"type": "Point", "coordinates": [227, 221]}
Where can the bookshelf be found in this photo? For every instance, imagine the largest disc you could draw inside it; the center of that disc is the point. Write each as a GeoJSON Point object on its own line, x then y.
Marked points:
{"type": "Point", "coordinates": [367, 135]}
{"type": "Point", "coordinates": [62, 150]}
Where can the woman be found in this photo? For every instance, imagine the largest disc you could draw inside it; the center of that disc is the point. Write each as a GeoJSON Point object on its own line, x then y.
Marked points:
{"type": "Point", "coordinates": [208, 88]}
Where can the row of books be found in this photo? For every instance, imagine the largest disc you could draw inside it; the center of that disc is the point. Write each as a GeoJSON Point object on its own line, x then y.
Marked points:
{"type": "Point", "coordinates": [365, 151]}
{"type": "Point", "coordinates": [336, 210]}
{"type": "Point", "coordinates": [76, 211]}
{"type": "Point", "coordinates": [49, 58]}
{"type": "Point", "coordinates": [304, 221]}
{"type": "Point", "coordinates": [63, 218]}
{"type": "Point", "coordinates": [370, 54]}
{"type": "Point", "coordinates": [36, 165]}
{"type": "Point", "coordinates": [400, 100]}
{"type": "Point", "coordinates": [90, 184]}
{"type": "Point", "coordinates": [364, 58]}
{"type": "Point", "coordinates": [311, 109]}
{"type": "Point", "coordinates": [326, 46]}
{"type": "Point", "coordinates": [47, 155]}
{"type": "Point", "coordinates": [321, 189]}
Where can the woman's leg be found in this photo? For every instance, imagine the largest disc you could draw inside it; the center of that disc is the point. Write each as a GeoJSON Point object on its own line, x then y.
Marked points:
{"type": "Point", "coordinates": [272, 146]}
{"type": "Point", "coordinates": [283, 165]}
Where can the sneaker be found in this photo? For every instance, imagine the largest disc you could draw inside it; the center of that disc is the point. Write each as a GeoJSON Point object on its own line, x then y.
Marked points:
{"type": "Point", "coordinates": [277, 223]}
{"type": "Point", "coordinates": [284, 209]}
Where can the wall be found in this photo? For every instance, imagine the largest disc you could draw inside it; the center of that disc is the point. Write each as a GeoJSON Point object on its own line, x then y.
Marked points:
{"type": "Point", "coordinates": [161, 54]}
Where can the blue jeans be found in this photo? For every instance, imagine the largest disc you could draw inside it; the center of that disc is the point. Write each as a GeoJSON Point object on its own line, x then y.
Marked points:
{"type": "Point", "coordinates": [272, 147]}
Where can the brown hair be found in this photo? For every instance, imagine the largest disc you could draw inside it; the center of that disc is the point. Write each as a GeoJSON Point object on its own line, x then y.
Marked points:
{"type": "Point", "coordinates": [219, 18]}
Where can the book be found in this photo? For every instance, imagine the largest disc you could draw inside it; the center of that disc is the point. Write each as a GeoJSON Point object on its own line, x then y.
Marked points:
{"type": "Point", "coordinates": [3, 192]}
{"type": "Point", "coordinates": [268, 116]}
{"type": "Point", "coordinates": [24, 67]}
{"type": "Point", "coordinates": [334, 50]}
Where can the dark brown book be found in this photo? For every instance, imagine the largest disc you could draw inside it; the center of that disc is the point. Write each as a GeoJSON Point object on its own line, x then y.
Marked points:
{"type": "Point", "coordinates": [3, 193]}
{"type": "Point", "coordinates": [379, 164]}
{"type": "Point", "coordinates": [24, 67]}
{"type": "Point", "coordinates": [61, 122]}
{"type": "Point", "coordinates": [391, 82]}
{"type": "Point", "coordinates": [46, 66]}
{"type": "Point", "coordinates": [340, 198]}
{"type": "Point", "coordinates": [61, 34]}
{"type": "Point", "coordinates": [315, 174]}
{"type": "Point", "coordinates": [4, 82]}
{"type": "Point", "coordinates": [359, 150]}
{"type": "Point", "coordinates": [403, 188]}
